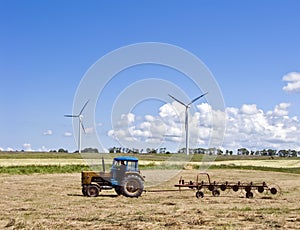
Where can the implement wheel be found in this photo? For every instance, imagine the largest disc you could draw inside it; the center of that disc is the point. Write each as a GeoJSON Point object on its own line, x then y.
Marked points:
{"type": "Point", "coordinates": [199, 194]}
{"type": "Point", "coordinates": [235, 188]}
{"type": "Point", "coordinates": [273, 191]}
{"type": "Point", "coordinates": [92, 191]}
{"type": "Point", "coordinates": [249, 195]}
{"type": "Point", "coordinates": [223, 187]}
{"type": "Point", "coordinates": [216, 192]}
{"type": "Point", "coordinates": [132, 186]}
{"type": "Point", "coordinates": [260, 189]}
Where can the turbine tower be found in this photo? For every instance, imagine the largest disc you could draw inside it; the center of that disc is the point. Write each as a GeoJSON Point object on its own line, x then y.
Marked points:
{"type": "Point", "coordinates": [80, 124]}
{"type": "Point", "coordinates": [187, 106]}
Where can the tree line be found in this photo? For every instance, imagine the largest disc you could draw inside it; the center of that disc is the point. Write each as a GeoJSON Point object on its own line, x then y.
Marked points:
{"type": "Point", "coordinates": [206, 151]}
{"type": "Point", "coordinates": [212, 151]}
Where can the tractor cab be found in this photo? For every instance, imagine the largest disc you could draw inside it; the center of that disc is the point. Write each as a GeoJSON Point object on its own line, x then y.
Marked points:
{"type": "Point", "coordinates": [121, 166]}
{"type": "Point", "coordinates": [131, 164]}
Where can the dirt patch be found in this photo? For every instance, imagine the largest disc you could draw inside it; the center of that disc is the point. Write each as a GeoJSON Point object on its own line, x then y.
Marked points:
{"type": "Point", "coordinates": [55, 202]}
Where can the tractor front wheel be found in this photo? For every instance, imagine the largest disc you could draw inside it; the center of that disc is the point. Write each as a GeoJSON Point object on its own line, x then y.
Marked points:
{"type": "Point", "coordinates": [92, 191]}
{"type": "Point", "coordinates": [132, 186]}
{"type": "Point", "coordinates": [84, 190]}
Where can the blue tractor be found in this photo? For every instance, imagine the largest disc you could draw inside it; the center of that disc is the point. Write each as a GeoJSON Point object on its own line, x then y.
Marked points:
{"type": "Point", "coordinates": [124, 177]}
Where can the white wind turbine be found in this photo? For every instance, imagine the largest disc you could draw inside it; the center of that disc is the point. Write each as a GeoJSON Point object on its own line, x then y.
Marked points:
{"type": "Point", "coordinates": [80, 124]}
{"type": "Point", "coordinates": [187, 106]}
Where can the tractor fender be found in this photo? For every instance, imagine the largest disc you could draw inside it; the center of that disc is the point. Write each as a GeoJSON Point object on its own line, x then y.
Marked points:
{"type": "Point", "coordinates": [136, 174]}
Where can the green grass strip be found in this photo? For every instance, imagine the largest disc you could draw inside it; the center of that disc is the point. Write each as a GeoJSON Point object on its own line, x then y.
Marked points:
{"type": "Point", "coordinates": [260, 168]}
{"type": "Point", "coordinates": [43, 169]}
{"type": "Point", "coordinates": [50, 169]}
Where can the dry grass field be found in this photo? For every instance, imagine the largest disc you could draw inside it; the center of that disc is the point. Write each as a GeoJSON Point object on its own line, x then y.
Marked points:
{"type": "Point", "coordinates": [54, 201]}
{"type": "Point", "coordinates": [277, 163]}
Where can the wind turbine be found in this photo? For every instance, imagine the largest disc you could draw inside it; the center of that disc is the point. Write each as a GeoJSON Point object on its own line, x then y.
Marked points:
{"type": "Point", "coordinates": [187, 106]}
{"type": "Point", "coordinates": [80, 124]}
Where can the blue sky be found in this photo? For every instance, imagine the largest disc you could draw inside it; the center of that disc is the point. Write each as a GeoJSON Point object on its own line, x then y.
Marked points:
{"type": "Point", "coordinates": [46, 47]}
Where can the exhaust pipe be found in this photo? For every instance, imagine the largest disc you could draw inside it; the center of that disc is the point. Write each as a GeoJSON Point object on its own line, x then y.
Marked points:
{"type": "Point", "coordinates": [103, 165]}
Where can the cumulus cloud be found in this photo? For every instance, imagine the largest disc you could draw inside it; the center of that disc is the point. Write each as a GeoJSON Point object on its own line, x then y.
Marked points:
{"type": "Point", "coordinates": [68, 134]}
{"type": "Point", "coordinates": [89, 130]}
{"type": "Point", "coordinates": [9, 149]}
{"type": "Point", "coordinates": [48, 132]}
{"type": "Point", "coordinates": [27, 147]}
{"type": "Point", "coordinates": [293, 82]}
{"type": "Point", "coordinates": [247, 126]}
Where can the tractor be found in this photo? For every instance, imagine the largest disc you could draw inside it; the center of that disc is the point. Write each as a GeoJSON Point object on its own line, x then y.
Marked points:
{"type": "Point", "coordinates": [124, 177]}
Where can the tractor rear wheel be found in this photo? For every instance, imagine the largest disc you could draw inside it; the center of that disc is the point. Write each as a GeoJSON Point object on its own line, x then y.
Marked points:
{"type": "Point", "coordinates": [92, 191]}
{"type": "Point", "coordinates": [118, 190]}
{"type": "Point", "coordinates": [132, 186]}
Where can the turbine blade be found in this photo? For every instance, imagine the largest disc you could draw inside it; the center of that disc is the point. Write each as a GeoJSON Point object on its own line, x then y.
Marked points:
{"type": "Point", "coordinates": [197, 98]}
{"type": "Point", "coordinates": [82, 126]}
{"type": "Point", "coordinates": [177, 100]}
{"type": "Point", "coordinates": [71, 115]}
{"type": "Point", "coordinates": [84, 107]}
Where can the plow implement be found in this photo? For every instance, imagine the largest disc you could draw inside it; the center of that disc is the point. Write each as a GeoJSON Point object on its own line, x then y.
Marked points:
{"type": "Point", "coordinates": [204, 183]}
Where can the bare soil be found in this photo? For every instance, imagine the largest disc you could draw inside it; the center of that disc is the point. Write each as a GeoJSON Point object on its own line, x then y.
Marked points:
{"type": "Point", "coordinates": [55, 201]}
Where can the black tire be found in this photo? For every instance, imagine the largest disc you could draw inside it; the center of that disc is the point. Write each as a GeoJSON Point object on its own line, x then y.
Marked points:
{"type": "Point", "coordinates": [118, 190]}
{"type": "Point", "coordinates": [223, 187]}
{"type": "Point", "coordinates": [249, 195]}
{"type": "Point", "coordinates": [199, 194]}
{"type": "Point", "coordinates": [211, 187]}
{"type": "Point", "coordinates": [260, 189]}
{"type": "Point", "coordinates": [132, 186]}
{"type": "Point", "coordinates": [235, 188]}
{"type": "Point", "coordinates": [84, 190]}
{"type": "Point", "coordinates": [248, 188]}
{"type": "Point", "coordinates": [216, 192]}
{"type": "Point", "coordinates": [273, 191]}
{"type": "Point", "coordinates": [92, 191]}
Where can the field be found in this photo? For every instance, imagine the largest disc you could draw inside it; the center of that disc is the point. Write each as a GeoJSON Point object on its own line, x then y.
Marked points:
{"type": "Point", "coordinates": [35, 194]}
{"type": "Point", "coordinates": [54, 201]}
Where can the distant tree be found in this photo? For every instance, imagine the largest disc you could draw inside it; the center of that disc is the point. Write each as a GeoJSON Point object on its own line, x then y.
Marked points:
{"type": "Point", "coordinates": [148, 150]}
{"type": "Point", "coordinates": [271, 152]}
{"type": "Point", "coordinates": [111, 150]}
{"type": "Point", "coordinates": [292, 153]}
{"type": "Point", "coordinates": [90, 150]}
{"type": "Point", "coordinates": [162, 150]}
{"type": "Point", "coordinates": [219, 152]}
{"type": "Point", "coordinates": [243, 151]}
{"type": "Point", "coordinates": [61, 150]}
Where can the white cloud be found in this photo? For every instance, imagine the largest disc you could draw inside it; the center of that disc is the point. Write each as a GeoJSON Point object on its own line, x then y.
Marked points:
{"type": "Point", "coordinates": [27, 147]}
{"type": "Point", "coordinates": [43, 149]}
{"type": "Point", "coordinates": [68, 134]}
{"type": "Point", "coordinates": [9, 149]}
{"type": "Point", "coordinates": [89, 130]}
{"type": "Point", "coordinates": [248, 127]}
{"type": "Point", "coordinates": [48, 132]}
{"type": "Point", "coordinates": [249, 109]}
{"type": "Point", "coordinates": [293, 82]}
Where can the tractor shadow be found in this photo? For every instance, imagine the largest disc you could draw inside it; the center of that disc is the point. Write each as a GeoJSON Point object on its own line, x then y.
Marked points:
{"type": "Point", "coordinates": [100, 195]}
